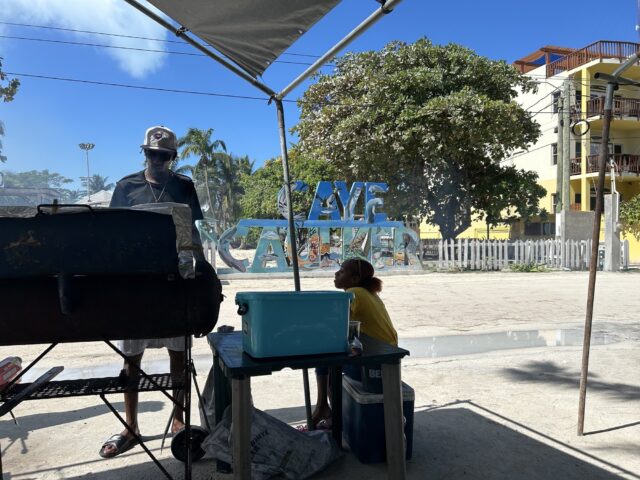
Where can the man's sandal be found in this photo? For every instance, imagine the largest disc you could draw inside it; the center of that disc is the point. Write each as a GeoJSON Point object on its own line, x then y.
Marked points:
{"type": "Point", "coordinates": [120, 444]}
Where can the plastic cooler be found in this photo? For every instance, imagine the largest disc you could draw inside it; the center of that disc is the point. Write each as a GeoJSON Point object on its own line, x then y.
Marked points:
{"type": "Point", "coordinates": [363, 421]}
{"type": "Point", "coordinates": [280, 324]}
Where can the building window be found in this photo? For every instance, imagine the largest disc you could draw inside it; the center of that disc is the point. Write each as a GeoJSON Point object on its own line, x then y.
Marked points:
{"type": "Point", "coordinates": [554, 202]}
{"type": "Point", "coordinates": [548, 228]}
{"type": "Point", "coordinates": [554, 154]}
{"type": "Point", "coordinates": [578, 149]}
{"type": "Point", "coordinates": [539, 229]}
{"type": "Point", "coordinates": [556, 101]}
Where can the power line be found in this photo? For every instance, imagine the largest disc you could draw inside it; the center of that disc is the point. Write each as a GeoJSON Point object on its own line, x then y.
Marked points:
{"type": "Point", "coordinates": [142, 87]}
{"type": "Point", "coordinates": [137, 49]}
{"type": "Point", "coordinates": [163, 40]}
{"type": "Point", "coordinates": [173, 90]}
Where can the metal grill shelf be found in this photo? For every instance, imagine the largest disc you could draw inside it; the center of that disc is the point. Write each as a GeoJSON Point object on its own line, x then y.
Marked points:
{"type": "Point", "coordinates": [93, 386]}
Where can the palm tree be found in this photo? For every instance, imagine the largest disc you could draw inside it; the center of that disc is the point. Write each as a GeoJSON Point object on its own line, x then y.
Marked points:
{"type": "Point", "coordinates": [98, 182]}
{"type": "Point", "coordinates": [198, 143]}
{"type": "Point", "coordinates": [230, 170]}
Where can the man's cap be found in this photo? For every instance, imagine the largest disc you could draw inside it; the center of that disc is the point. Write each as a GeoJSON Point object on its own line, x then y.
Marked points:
{"type": "Point", "coordinates": [160, 138]}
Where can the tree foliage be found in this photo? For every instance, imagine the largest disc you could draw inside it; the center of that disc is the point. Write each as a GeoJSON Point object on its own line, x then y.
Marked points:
{"type": "Point", "coordinates": [217, 174]}
{"type": "Point", "coordinates": [429, 120]}
{"type": "Point", "coordinates": [8, 90]}
{"type": "Point", "coordinates": [98, 183]}
{"type": "Point", "coordinates": [198, 143]}
{"type": "Point", "coordinates": [261, 188]}
{"type": "Point", "coordinates": [630, 216]}
{"type": "Point", "coordinates": [34, 179]}
{"type": "Point", "coordinates": [510, 194]}
{"type": "Point", "coordinates": [44, 179]}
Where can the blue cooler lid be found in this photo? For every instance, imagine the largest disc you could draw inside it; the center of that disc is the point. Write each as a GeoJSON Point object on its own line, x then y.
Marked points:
{"type": "Point", "coordinates": [314, 295]}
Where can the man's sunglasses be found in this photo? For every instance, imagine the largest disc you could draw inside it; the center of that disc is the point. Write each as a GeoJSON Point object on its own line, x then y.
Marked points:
{"type": "Point", "coordinates": [158, 155]}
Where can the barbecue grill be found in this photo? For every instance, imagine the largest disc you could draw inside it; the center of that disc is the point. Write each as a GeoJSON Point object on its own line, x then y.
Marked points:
{"type": "Point", "coordinates": [72, 274]}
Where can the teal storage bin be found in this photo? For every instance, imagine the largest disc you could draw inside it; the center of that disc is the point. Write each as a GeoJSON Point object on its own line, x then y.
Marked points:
{"type": "Point", "coordinates": [281, 324]}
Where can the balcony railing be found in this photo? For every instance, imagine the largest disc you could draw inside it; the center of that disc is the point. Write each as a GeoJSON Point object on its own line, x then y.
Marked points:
{"type": "Point", "coordinates": [622, 107]}
{"type": "Point", "coordinates": [600, 49]}
{"type": "Point", "coordinates": [625, 163]}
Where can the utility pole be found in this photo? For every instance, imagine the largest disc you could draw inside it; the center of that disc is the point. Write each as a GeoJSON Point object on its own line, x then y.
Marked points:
{"type": "Point", "coordinates": [559, 153]}
{"type": "Point", "coordinates": [566, 147]}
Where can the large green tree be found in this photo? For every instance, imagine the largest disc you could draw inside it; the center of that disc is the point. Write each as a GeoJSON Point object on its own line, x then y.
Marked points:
{"type": "Point", "coordinates": [429, 120]}
{"type": "Point", "coordinates": [8, 89]}
{"type": "Point", "coordinates": [510, 195]}
{"type": "Point", "coordinates": [261, 188]}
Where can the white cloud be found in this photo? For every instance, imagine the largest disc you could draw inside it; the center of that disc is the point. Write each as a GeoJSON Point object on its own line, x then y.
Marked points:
{"type": "Point", "coordinates": [109, 16]}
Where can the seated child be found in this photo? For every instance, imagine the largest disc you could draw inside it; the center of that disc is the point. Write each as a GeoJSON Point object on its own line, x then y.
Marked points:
{"type": "Point", "coordinates": [356, 276]}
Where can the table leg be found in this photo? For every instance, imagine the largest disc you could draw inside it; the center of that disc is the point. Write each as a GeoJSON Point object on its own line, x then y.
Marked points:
{"type": "Point", "coordinates": [241, 427]}
{"type": "Point", "coordinates": [336, 403]}
{"type": "Point", "coordinates": [221, 400]}
{"type": "Point", "coordinates": [393, 421]}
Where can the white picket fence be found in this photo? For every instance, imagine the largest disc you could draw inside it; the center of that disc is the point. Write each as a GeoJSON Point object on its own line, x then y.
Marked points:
{"type": "Point", "coordinates": [469, 254]}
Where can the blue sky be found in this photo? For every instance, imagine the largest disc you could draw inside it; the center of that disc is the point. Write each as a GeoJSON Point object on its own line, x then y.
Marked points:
{"type": "Point", "coordinates": [49, 118]}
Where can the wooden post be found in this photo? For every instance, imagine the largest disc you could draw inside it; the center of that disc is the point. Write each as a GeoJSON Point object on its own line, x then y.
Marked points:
{"type": "Point", "coordinates": [393, 421]}
{"type": "Point", "coordinates": [241, 427]}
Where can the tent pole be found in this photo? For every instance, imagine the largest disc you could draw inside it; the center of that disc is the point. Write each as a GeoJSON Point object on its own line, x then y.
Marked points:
{"type": "Point", "coordinates": [333, 51]}
{"type": "Point", "coordinates": [180, 32]}
{"type": "Point", "coordinates": [292, 241]}
{"type": "Point", "coordinates": [287, 189]}
{"type": "Point", "coordinates": [613, 82]}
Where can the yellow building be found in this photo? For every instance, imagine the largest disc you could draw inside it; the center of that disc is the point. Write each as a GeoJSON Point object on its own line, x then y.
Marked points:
{"type": "Point", "coordinates": [550, 67]}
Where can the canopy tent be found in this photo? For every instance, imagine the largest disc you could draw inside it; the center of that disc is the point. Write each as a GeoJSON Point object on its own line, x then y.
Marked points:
{"type": "Point", "coordinates": [251, 34]}
{"type": "Point", "coordinates": [271, 27]}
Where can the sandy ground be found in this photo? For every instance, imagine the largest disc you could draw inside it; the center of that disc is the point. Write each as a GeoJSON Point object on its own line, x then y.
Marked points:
{"type": "Point", "coordinates": [495, 366]}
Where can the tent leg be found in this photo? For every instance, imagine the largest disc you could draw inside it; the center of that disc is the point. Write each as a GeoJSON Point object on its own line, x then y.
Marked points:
{"type": "Point", "coordinates": [287, 185]}
{"type": "Point", "coordinates": [292, 239]}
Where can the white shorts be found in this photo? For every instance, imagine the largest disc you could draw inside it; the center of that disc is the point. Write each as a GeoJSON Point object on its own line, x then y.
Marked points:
{"type": "Point", "coordinates": [136, 347]}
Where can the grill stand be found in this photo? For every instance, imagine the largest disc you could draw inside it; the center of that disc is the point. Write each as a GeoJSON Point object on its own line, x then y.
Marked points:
{"type": "Point", "coordinates": [104, 386]}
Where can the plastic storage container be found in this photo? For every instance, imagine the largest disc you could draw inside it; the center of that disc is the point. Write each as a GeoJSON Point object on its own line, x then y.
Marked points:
{"type": "Point", "coordinates": [363, 421]}
{"type": "Point", "coordinates": [280, 324]}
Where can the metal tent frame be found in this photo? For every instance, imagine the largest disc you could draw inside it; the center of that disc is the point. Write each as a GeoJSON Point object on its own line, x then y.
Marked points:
{"type": "Point", "coordinates": [386, 7]}
{"type": "Point", "coordinates": [613, 81]}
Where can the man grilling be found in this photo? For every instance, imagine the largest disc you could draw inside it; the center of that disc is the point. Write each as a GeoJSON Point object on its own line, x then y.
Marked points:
{"type": "Point", "coordinates": [157, 183]}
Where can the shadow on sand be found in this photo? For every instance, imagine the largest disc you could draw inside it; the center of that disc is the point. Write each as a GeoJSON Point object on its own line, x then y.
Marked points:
{"type": "Point", "coordinates": [461, 440]}
{"type": "Point", "coordinates": [551, 373]}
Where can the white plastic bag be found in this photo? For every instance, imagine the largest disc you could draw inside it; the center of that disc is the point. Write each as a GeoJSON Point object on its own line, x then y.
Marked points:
{"type": "Point", "coordinates": [276, 448]}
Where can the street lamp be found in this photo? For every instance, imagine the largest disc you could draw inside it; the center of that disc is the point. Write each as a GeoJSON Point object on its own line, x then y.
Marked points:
{"type": "Point", "coordinates": [86, 147]}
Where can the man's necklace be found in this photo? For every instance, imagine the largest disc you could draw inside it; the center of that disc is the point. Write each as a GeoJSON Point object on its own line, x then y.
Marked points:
{"type": "Point", "coordinates": [159, 197]}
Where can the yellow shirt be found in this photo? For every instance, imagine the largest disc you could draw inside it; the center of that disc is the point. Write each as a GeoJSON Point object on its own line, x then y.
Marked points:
{"type": "Point", "coordinates": [367, 308]}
